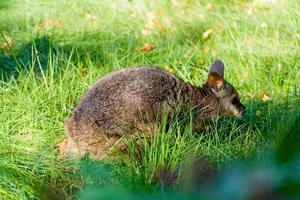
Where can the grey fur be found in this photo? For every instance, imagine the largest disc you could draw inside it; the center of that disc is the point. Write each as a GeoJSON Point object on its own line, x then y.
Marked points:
{"type": "Point", "coordinates": [128, 101]}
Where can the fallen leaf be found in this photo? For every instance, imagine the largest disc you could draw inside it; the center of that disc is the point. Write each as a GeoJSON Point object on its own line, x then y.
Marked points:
{"type": "Point", "coordinates": [279, 66]}
{"type": "Point", "coordinates": [257, 112]}
{"type": "Point", "coordinates": [167, 20]}
{"type": "Point", "coordinates": [263, 25]}
{"type": "Point", "coordinates": [268, 1]}
{"type": "Point", "coordinates": [168, 68]}
{"type": "Point", "coordinates": [82, 70]}
{"type": "Point", "coordinates": [157, 20]}
{"type": "Point", "coordinates": [90, 16]}
{"type": "Point", "coordinates": [235, 25]}
{"type": "Point", "coordinates": [209, 6]}
{"type": "Point", "coordinates": [174, 2]}
{"type": "Point", "coordinates": [249, 94]}
{"type": "Point", "coordinates": [214, 53]}
{"type": "Point", "coordinates": [244, 75]}
{"type": "Point", "coordinates": [207, 33]}
{"type": "Point", "coordinates": [46, 161]}
{"type": "Point", "coordinates": [114, 6]}
{"type": "Point", "coordinates": [249, 10]}
{"type": "Point", "coordinates": [49, 23]}
{"type": "Point", "coordinates": [6, 89]}
{"type": "Point", "coordinates": [146, 32]}
{"type": "Point", "coordinates": [201, 61]}
{"type": "Point", "coordinates": [265, 97]}
{"type": "Point", "coordinates": [188, 53]}
{"type": "Point", "coordinates": [249, 42]}
{"type": "Point", "coordinates": [8, 41]}
{"type": "Point", "coordinates": [147, 47]}
{"type": "Point", "coordinates": [201, 16]}
{"type": "Point", "coordinates": [206, 50]}
{"type": "Point", "coordinates": [219, 25]}
{"type": "Point", "coordinates": [2, 191]}
{"type": "Point", "coordinates": [159, 26]}
{"type": "Point", "coordinates": [62, 147]}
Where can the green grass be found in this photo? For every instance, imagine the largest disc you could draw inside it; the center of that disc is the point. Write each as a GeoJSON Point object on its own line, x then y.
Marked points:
{"type": "Point", "coordinates": [59, 48]}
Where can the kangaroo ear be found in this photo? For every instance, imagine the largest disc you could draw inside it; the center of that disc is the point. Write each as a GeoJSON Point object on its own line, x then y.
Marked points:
{"type": "Point", "coordinates": [215, 82]}
{"type": "Point", "coordinates": [217, 67]}
{"type": "Point", "coordinates": [216, 77]}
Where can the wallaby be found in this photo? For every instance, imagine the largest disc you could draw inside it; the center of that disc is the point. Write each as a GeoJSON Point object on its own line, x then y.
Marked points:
{"type": "Point", "coordinates": [130, 100]}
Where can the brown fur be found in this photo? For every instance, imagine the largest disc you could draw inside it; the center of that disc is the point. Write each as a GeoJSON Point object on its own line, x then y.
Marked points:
{"type": "Point", "coordinates": [128, 101]}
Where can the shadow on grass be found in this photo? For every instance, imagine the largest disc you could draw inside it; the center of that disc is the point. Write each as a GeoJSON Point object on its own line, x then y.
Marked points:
{"type": "Point", "coordinates": [37, 54]}
{"type": "Point", "coordinates": [99, 48]}
{"type": "Point", "coordinates": [34, 54]}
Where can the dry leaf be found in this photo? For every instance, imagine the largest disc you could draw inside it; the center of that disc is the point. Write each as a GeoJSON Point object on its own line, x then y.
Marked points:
{"type": "Point", "coordinates": [114, 6]}
{"type": "Point", "coordinates": [265, 97]}
{"type": "Point", "coordinates": [8, 41]}
{"type": "Point", "coordinates": [279, 66]}
{"type": "Point", "coordinates": [235, 25]}
{"type": "Point", "coordinates": [82, 70]}
{"type": "Point", "coordinates": [168, 68]}
{"type": "Point", "coordinates": [207, 33]}
{"type": "Point", "coordinates": [155, 23]}
{"type": "Point", "coordinates": [249, 42]}
{"type": "Point", "coordinates": [209, 6]}
{"type": "Point", "coordinates": [147, 47]}
{"type": "Point", "coordinates": [201, 16]}
{"type": "Point", "coordinates": [249, 10]}
{"type": "Point", "coordinates": [268, 1]}
{"type": "Point", "coordinates": [3, 192]}
{"type": "Point", "coordinates": [90, 16]}
{"type": "Point", "coordinates": [188, 53]}
{"type": "Point", "coordinates": [257, 112]}
{"type": "Point", "coordinates": [174, 2]}
{"type": "Point", "coordinates": [201, 62]}
{"type": "Point", "coordinates": [249, 94]}
{"type": "Point", "coordinates": [160, 27]}
{"type": "Point", "coordinates": [46, 161]}
{"type": "Point", "coordinates": [62, 147]}
{"type": "Point", "coordinates": [167, 20]}
{"type": "Point", "coordinates": [219, 25]}
{"type": "Point", "coordinates": [49, 23]}
{"type": "Point", "coordinates": [146, 32]}
{"type": "Point", "coordinates": [263, 25]}
{"type": "Point", "coordinates": [214, 53]}
{"type": "Point", "coordinates": [245, 75]}
{"type": "Point", "coordinates": [206, 50]}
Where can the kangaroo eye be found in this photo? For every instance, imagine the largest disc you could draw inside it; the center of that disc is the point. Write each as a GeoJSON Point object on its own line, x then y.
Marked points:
{"type": "Point", "coordinates": [235, 100]}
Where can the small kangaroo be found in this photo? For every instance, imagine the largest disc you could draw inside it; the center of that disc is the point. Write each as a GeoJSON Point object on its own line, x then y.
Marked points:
{"type": "Point", "coordinates": [130, 100]}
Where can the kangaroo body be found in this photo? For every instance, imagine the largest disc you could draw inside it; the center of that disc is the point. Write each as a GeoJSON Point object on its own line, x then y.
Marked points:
{"type": "Point", "coordinates": [132, 100]}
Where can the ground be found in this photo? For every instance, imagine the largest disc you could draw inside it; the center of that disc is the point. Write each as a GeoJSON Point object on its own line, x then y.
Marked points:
{"type": "Point", "coordinates": [52, 51]}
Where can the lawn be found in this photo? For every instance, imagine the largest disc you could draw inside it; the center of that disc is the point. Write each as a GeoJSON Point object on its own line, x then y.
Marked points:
{"type": "Point", "coordinates": [52, 51]}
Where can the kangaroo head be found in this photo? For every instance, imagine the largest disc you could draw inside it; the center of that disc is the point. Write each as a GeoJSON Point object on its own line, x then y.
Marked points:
{"type": "Point", "coordinates": [228, 98]}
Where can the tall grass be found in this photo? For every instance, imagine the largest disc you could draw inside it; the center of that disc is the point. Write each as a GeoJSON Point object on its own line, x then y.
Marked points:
{"type": "Point", "coordinates": [52, 51]}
